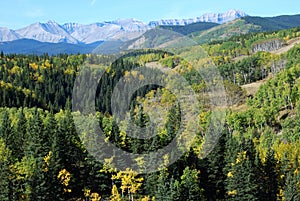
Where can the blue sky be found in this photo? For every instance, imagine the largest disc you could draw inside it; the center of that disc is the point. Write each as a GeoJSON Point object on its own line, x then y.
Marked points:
{"type": "Point", "coordinates": [19, 13]}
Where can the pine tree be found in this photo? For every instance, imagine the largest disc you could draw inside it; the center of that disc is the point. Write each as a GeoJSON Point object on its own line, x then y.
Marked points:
{"type": "Point", "coordinates": [214, 188]}
{"type": "Point", "coordinates": [241, 183]}
{"type": "Point", "coordinates": [34, 151]}
{"type": "Point", "coordinates": [162, 187]}
{"type": "Point", "coordinates": [189, 186]}
{"type": "Point", "coordinates": [270, 183]}
{"type": "Point", "coordinates": [291, 189]}
{"type": "Point", "coordinates": [172, 124]}
{"type": "Point", "coordinates": [6, 131]}
{"type": "Point", "coordinates": [19, 135]}
{"type": "Point", "coordinates": [5, 193]}
{"type": "Point", "coordinates": [71, 153]}
{"type": "Point", "coordinates": [33, 144]}
{"type": "Point", "coordinates": [150, 183]}
{"type": "Point", "coordinates": [54, 163]}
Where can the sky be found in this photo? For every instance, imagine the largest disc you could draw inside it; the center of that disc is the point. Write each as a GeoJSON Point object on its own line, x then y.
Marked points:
{"type": "Point", "coordinates": [16, 14]}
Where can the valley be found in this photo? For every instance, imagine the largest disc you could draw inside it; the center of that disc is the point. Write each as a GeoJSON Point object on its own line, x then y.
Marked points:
{"type": "Point", "coordinates": [198, 109]}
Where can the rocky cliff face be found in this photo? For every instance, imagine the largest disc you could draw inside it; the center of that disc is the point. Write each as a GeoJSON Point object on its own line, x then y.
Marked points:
{"type": "Point", "coordinates": [219, 18]}
{"type": "Point", "coordinates": [268, 46]}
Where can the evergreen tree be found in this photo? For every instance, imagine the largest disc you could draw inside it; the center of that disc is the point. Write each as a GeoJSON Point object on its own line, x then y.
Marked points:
{"type": "Point", "coordinates": [162, 187]}
{"type": "Point", "coordinates": [241, 183]}
{"type": "Point", "coordinates": [270, 183]}
{"type": "Point", "coordinates": [6, 131]}
{"type": "Point", "coordinates": [214, 188]}
{"type": "Point", "coordinates": [189, 186]}
{"type": "Point", "coordinates": [36, 183]}
{"type": "Point", "coordinates": [150, 183]}
{"type": "Point", "coordinates": [19, 135]}
{"type": "Point", "coordinates": [5, 192]}
{"type": "Point", "coordinates": [54, 163]}
{"type": "Point", "coordinates": [292, 190]}
{"type": "Point", "coordinates": [172, 124]}
{"type": "Point", "coordinates": [72, 153]}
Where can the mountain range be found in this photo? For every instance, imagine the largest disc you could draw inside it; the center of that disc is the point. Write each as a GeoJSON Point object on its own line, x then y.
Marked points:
{"type": "Point", "coordinates": [123, 29]}
{"type": "Point", "coordinates": [219, 18]}
{"type": "Point", "coordinates": [54, 38]}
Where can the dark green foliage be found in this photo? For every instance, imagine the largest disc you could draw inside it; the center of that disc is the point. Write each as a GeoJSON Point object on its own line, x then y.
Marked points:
{"type": "Point", "coordinates": [242, 180]}
{"type": "Point", "coordinates": [6, 131]}
{"type": "Point", "coordinates": [19, 136]}
{"type": "Point", "coordinates": [214, 188]}
{"type": "Point", "coordinates": [291, 191]}
{"type": "Point", "coordinates": [28, 46]}
{"type": "Point", "coordinates": [162, 186]}
{"type": "Point", "coordinates": [275, 23]}
{"type": "Point", "coordinates": [271, 177]}
{"type": "Point", "coordinates": [35, 152]}
{"type": "Point", "coordinates": [37, 80]}
{"type": "Point", "coordinates": [172, 124]}
{"type": "Point", "coordinates": [191, 28]}
{"type": "Point", "coordinates": [5, 193]}
{"type": "Point", "coordinates": [189, 185]}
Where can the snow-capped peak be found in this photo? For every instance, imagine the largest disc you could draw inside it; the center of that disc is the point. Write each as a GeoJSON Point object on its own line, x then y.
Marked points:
{"type": "Point", "coordinates": [219, 18]}
{"type": "Point", "coordinates": [46, 32]}
{"type": "Point", "coordinates": [8, 34]}
{"type": "Point", "coordinates": [121, 29]}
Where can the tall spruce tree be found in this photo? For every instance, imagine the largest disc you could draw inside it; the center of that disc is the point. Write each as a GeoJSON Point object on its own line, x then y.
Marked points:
{"type": "Point", "coordinates": [6, 131]}
{"type": "Point", "coordinates": [270, 183]}
{"type": "Point", "coordinates": [34, 152]}
{"type": "Point", "coordinates": [19, 135]}
{"type": "Point", "coordinates": [214, 188]}
{"type": "Point", "coordinates": [189, 186]}
{"type": "Point", "coordinates": [5, 175]}
{"type": "Point", "coordinates": [242, 183]}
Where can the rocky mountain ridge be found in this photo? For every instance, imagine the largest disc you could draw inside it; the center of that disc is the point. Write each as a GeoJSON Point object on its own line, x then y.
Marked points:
{"type": "Point", "coordinates": [122, 29]}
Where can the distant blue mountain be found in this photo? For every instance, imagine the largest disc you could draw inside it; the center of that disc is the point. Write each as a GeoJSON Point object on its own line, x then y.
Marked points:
{"type": "Point", "coordinates": [28, 46]}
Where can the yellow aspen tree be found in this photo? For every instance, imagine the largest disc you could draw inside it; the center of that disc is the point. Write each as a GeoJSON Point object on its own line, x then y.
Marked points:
{"type": "Point", "coordinates": [115, 196]}
{"type": "Point", "coordinates": [130, 182]}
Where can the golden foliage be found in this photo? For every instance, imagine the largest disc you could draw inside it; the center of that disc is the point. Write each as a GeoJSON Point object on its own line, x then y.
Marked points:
{"type": "Point", "coordinates": [95, 197]}
{"type": "Point", "coordinates": [129, 180]}
{"type": "Point", "coordinates": [234, 192]}
{"type": "Point", "coordinates": [115, 196]}
{"type": "Point", "coordinates": [47, 161]}
{"type": "Point", "coordinates": [147, 198]}
{"type": "Point", "coordinates": [64, 177]}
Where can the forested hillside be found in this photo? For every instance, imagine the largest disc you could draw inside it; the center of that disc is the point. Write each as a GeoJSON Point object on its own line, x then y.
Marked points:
{"type": "Point", "coordinates": [257, 157]}
{"type": "Point", "coordinates": [246, 25]}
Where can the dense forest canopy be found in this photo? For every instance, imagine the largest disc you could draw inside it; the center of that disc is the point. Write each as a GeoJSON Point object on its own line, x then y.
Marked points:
{"type": "Point", "coordinates": [257, 157]}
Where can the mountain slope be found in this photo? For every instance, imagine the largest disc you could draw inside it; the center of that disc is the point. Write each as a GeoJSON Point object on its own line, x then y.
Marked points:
{"type": "Point", "coordinates": [120, 29]}
{"type": "Point", "coordinates": [247, 25]}
{"type": "Point", "coordinates": [191, 28]}
{"type": "Point", "coordinates": [274, 23]}
{"type": "Point", "coordinates": [46, 32]}
{"type": "Point", "coordinates": [8, 34]}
